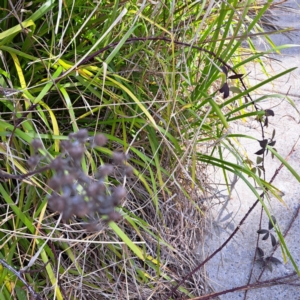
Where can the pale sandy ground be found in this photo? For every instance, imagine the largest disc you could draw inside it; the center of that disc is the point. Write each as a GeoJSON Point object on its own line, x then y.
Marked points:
{"type": "Point", "coordinates": [232, 266]}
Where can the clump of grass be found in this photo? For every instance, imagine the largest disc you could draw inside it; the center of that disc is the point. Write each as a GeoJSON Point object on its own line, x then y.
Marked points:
{"type": "Point", "coordinates": [148, 76]}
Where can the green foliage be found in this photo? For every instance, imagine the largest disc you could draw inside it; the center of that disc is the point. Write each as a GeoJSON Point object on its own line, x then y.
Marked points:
{"type": "Point", "coordinates": [155, 99]}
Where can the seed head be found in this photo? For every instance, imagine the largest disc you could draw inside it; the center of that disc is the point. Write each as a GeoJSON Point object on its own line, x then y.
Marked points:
{"type": "Point", "coordinates": [76, 152]}
{"type": "Point", "coordinates": [100, 140]}
{"type": "Point", "coordinates": [105, 170]}
{"type": "Point", "coordinates": [118, 157]}
{"type": "Point", "coordinates": [81, 135]}
{"type": "Point", "coordinates": [37, 144]}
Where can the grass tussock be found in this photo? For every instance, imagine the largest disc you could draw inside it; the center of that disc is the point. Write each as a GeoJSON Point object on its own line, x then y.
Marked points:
{"type": "Point", "coordinates": [111, 112]}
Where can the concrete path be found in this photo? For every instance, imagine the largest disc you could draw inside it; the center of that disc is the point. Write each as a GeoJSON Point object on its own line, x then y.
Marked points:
{"type": "Point", "coordinates": [232, 266]}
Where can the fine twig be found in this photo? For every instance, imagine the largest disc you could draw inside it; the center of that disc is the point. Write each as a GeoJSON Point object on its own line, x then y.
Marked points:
{"type": "Point", "coordinates": [290, 225]}
{"type": "Point", "coordinates": [23, 176]}
{"type": "Point", "coordinates": [35, 295]}
{"type": "Point", "coordinates": [255, 252]}
{"type": "Point", "coordinates": [173, 290]}
{"type": "Point", "coordinates": [274, 281]}
{"type": "Point", "coordinates": [164, 39]}
{"type": "Point", "coordinates": [284, 235]}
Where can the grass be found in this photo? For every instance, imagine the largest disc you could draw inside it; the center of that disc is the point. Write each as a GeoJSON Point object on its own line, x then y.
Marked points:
{"type": "Point", "coordinates": [153, 91]}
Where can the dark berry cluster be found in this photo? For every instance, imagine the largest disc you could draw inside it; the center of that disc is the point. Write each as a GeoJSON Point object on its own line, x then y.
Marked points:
{"type": "Point", "coordinates": [73, 191]}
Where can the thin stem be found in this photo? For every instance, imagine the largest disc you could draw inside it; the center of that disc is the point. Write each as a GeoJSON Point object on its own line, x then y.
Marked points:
{"type": "Point", "coordinates": [173, 290]}
{"type": "Point", "coordinates": [274, 281]}
{"type": "Point", "coordinates": [18, 274]}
